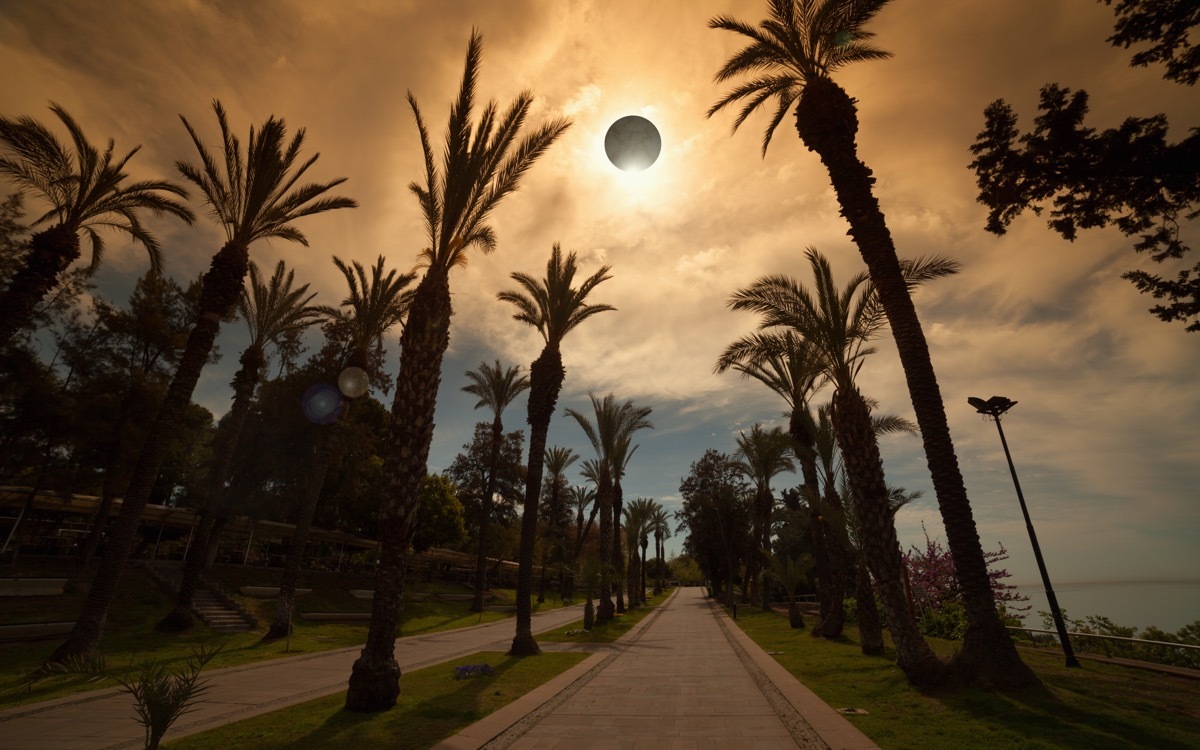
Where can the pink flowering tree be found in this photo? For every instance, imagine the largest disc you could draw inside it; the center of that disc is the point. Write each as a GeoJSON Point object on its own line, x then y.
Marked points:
{"type": "Point", "coordinates": [934, 583]}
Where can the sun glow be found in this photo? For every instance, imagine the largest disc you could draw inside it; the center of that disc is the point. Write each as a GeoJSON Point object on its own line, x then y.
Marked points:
{"type": "Point", "coordinates": [655, 188]}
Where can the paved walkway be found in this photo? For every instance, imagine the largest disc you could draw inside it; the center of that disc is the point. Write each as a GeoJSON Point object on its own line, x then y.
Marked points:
{"type": "Point", "coordinates": [106, 719]}
{"type": "Point", "coordinates": [686, 677]}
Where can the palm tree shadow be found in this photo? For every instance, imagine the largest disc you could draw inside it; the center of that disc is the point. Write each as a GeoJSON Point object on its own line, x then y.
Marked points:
{"type": "Point", "coordinates": [1044, 716]}
{"type": "Point", "coordinates": [446, 712]}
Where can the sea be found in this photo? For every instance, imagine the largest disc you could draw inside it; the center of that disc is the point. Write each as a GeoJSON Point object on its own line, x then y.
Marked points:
{"type": "Point", "coordinates": [1168, 605]}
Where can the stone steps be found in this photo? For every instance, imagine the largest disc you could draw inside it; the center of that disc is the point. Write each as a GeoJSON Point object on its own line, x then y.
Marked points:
{"type": "Point", "coordinates": [206, 604]}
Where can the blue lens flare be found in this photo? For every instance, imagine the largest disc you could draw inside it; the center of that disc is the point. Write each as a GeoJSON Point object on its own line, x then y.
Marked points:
{"type": "Point", "coordinates": [321, 404]}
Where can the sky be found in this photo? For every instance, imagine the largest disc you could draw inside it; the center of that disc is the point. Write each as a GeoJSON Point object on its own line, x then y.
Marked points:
{"type": "Point", "coordinates": [1104, 436]}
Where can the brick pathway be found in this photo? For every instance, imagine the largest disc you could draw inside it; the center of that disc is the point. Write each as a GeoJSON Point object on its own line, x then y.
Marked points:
{"type": "Point", "coordinates": [106, 719]}
{"type": "Point", "coordinates": [687, 677]}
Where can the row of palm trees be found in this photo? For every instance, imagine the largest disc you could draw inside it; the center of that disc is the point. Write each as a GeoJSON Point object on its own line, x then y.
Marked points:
{"type": "Point", "coordinates": [790, 58]}
{"type": "Point", "coordinates": [257, 194]}
{"type": "Point", "coordinates": [253, 193]}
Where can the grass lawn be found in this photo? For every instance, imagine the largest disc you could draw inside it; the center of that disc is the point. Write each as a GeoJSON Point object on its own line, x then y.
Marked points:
{"type": "Point", "coordinates": [130, 639]}
{"type": "Point", "coordinates": [1099, 707]}
{"type": "Point", "coordinates": [608, 632]}
{"type": "Point", "coordinates": [432, 706]}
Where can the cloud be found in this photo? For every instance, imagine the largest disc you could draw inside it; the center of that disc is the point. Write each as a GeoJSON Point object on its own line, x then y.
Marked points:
{"type": "Point", "coordinates": [1104, 435]}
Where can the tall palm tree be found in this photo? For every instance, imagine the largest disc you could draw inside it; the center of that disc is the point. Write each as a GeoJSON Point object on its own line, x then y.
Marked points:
{"type": "Point", "coordinates": [638, 515]}
{"type": "Point", "coordinates": [86, 190]}
{"type": "Point", "coordinates": [611, 438]}
{"type": "Point", "coordinates": [373, 305]}
{"type": "Point", "coordinates": [792, 57]}
{"type": "Point", "coordinates": [557, 460]}
{"type": "Point", "coordinates": [660, 526]}
{"type": "Point", "coordinates": [496, 388]}
{"type": "Point", "coordinates": [761, 456]}
{"type": "Point", "coordinates": [622, 453]}
{"type": "Point", "coordinates": [554, 308]}
{"type": "Point", "coordinates": [789, 366]}
{"type": "Point", "coordinates": [254, 195]}
{"type": "Point", "coordinates": [581, 498]}
{"type": "Point", "coordinates": [273, 311]}
{"type": "Point", "coordinates": [482, 164]}
{"type": "Point", "coordinates": [839, 323]}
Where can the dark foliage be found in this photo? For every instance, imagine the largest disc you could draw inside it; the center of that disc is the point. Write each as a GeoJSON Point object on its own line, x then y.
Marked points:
{"type": "Point", "coordinates": [1131, 177]}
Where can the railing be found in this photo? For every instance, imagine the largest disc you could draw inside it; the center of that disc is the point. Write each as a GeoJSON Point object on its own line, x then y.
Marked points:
{"type": "Point", "coordinates": [1139, 649]}
{"type": "Point", "coordinates": [1140, 641]}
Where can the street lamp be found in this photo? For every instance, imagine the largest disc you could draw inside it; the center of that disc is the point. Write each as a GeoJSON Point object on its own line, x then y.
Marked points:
{"type": "Point", "coordinates": [994, 407]}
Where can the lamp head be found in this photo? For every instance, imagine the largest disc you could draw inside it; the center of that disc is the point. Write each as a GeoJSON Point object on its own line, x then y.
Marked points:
{"type": "Point", "coordinates": [993, 407]}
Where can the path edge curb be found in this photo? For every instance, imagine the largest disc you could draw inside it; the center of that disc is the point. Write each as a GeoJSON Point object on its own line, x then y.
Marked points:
{"type": "Point", "coordinates": [833, 728]}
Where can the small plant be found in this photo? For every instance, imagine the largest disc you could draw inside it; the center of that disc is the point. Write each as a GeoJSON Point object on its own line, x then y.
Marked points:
{"type": "Point", "coordinates": [162, 697]}
{"type": "Point", "coordinates": [469, 671]}
{"type": "Point", "coordinates": [582, 631]}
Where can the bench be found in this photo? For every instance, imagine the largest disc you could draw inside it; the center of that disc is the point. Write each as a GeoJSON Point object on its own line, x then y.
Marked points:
{"type": "Point", "coordinates": [267, 592]}
{"type": "Point", "coordinates": [370, 594]}
{"type": "Point", "coordinates": [335, 616]}
{"type": "Point", "coordinates": [35, 631]}
{"type": "Point", "coordinates": [32, 586]}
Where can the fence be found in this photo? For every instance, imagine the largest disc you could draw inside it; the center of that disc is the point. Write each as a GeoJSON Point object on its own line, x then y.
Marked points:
{"type": "Point", "coordinates": [1188, 654]}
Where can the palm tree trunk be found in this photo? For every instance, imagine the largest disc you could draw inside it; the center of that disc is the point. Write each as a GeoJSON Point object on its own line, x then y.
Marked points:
{"type": "Point", "coordinates": [617, 547]}
{"type": "Point", "coordinates": [870, 631]}
{"type": "Point", "coordinates": [642, 591]}
{"type": "Point", "coordinates": [375, 678]}
{"type": "Point", "coordinates": [827, 122]}
{"type": "Point", "coordinates": [604, 500]}
{"type": "Point", "coordinates": [485, 515]}
{"type": "Point", "coordinates": [546, 376]}
{"type": "Point", "coordinates": [222, 284]}
{"type": "Point", "coordinates": [51, 251]}
{"type": "Point", "coordinates": [585, 530]}
{"type": "Point", "coordinates": [808, 469]}
{"type": "Point", "coordinates": [244, 383]}
{"type": "Point", "coordinates": [554, 541]}
{"type": "Point", "coordinates": [108, 490]}
{"type": "Point", "coordinates": [835, 620]}
{"type": "Point", "coordinates": [323, 457]}
{"type": "Point", "coordinates": [860, 452]}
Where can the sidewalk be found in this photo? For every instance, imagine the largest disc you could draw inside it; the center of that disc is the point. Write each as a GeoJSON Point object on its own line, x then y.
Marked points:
{"type": "Point", "coordinates": [685, 677]}
{"type": "Point", "coordinates": [106, 718]}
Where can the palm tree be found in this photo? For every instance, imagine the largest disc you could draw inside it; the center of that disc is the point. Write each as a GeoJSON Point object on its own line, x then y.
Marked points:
{"type": "Point", "coordinates": [792, 56]}
{"type": "Point", "coordinates": [789, 366]}
{"type": "Point", "coordinates": [554, 308]}
{"type": "Point", "coordinates": [838, 324]}
{"type": "Point", "coordinates": [557, 460]}
{"type": "Point", "coordinates": [86, 190]}
{"type": "Point", "coordinates": [373, 305]}
{"type": "Point", "coordinates": [496, 388]}
{"type": "Point", "coordinates": [611, 438]}
{"type": "Point", "coordinates": [622, 452]}
{"type": "Point", "coordinates": [273, 311]}
{"type": "Point", "coordinates": [482, 164]}
{"type": "Point", "coordinates": [762, 455]}
{"type": "Point", "coordinates": [581, 497]}
{"type": "Point", "coordinates": [791, 573]}
{"type": "Point", "coordinates": [660, 526]}
{"type": "Point", "coordinates": [638, 515]}
{"type": "Point", "coordinates": [254, 195]}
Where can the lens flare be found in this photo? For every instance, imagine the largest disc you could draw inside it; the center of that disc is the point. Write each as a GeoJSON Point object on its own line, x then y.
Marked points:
{"type": "Point", "coordinates": [321, 404]}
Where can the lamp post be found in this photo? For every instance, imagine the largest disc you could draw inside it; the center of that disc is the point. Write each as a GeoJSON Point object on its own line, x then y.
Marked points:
{"type": "Point", "coordinates": [994, 407]}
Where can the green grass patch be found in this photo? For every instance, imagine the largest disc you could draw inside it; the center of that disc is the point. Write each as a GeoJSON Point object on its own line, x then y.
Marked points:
{"type": "Point", "coordinates": [609, 631]}
{"type": "Point", "coordinates": [432, 706]}
{"type": "Point", "coordinates": [130, 639]}
{"type": "Point", "coordinates": [1099, 707]}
